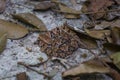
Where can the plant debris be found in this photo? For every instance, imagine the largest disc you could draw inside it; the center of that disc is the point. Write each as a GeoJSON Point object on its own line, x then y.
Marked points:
{"type": "Point", "coordinates": [3, 41]}
{"type": "Point", "coordinates": [41, 6]}
{"type": "Point", "coordinates": [32, 20]}
{"type": "Point", "coordinates": [14, 31]}
{"type": "Point", "coordinates": [2, 5]}
{"type": "Point", "coordinates": [86, 68]}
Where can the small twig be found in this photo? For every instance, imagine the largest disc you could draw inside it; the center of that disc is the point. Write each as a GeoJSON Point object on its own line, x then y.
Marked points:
{"type": "Point", "coordinates": [25, 65]}
{"type": "Point", "coordinates": [37, 65]}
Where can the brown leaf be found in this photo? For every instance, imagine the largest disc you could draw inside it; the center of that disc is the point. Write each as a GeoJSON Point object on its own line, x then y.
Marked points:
{"type": "Point", "coordinates": [95, 6]}
{"type": "Point", "coordinates": [85, 39]}
{"type": "Point", "coordinates": [115, 75]}
{"type": "Point", "coordinates": [98, 34]}
{"type": "Point", "coordinates": [116, 35]}
{"type": "Point", "coordinates": [71, 16]}
{"type": "Point", "coordinates": [66, 9]}
{"type": "Point", "coordinates": [2, 5]}
{"type": "Point", "coordinates": [31, 19]}
{"type": "Point", "coordinates": [3, 41]}
{"type": "Point", "coordinates": [22, 76]}
{"type": "Point", "coordinates": [43, 6]}
{"type": "Point", "coordinates": [13, 30]}
{"type": "Point", "coordinates": [108, 24]}
{"type": "Point", "coordinates": [91, 66]}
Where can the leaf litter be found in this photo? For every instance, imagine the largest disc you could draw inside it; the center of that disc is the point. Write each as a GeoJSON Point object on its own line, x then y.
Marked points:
{"type": "Point", "coordinates": [62, 42]}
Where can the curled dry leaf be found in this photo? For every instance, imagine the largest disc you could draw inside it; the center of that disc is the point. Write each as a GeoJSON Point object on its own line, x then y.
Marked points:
{"type": "Point", "coordinates": [91, 66]}
{"type": "Point", "coordinates": [31, 19]}
{"type": "Point", "coordinates": [44, 6]}
{"type": "Point", "coordinates": [98, 34]}
{"type": "Point", "coordinates": [3, 41]}
{"type": "Point", "coordinates": [13, 30]}
{"type": "Point", "coordinates": [2, 5]}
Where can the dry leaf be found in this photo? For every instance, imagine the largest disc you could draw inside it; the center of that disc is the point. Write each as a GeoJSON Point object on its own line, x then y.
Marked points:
{"type": "Point", "coordinates": [43, 6]}
{"type": "Point", "coordinates": [115, 75]}
{"type": "Point", "coordinates": [2, 5]}
{"type": "Point", "coordinates": [13, 30]}
{"type": "Point", "coordinates": [116, 59]}
{"type": "Point", "coordinates": [3, 41]}
{"type": "Point", "coordinates": [108, 24]}
{"type": "Point", "coordinates": [98, 34]}
{"type": "Point", "coordinates": [115, 23]}
{"type": "Point", "coordinates": [116, 35]}
{"type": "Point", "coordinates": [103, 25]}
{"type": "Point", "coordinates": [95, 6]}
{"type": "Point", "coordinates": [91, 66]}
{"type": "Point", "coordinates": [66, 9]}
{"type": "Point", "coordinates": [85, 39]}
{"type": "Point", "coordinates": [71, 16]}
{"type": "Point", "coordinates": [22, 76]}
{"type": "Point", "coordinates": [31, 19]}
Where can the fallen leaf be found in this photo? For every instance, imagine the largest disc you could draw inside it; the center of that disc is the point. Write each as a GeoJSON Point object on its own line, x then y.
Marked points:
{"type": "Point", "coordinates": [108, 24]}
{"type": "Point", "coordinates": [31, 19]}
{"type": "Point", "coordinates": [71, 16]}
{"type": "Point", "coordinates": [3, 41]}
{"type": "Point", "coordinates": [85, 39]}
{"type": "Point", "coordinates": [115, 23]}
{"type": "Point", "coordinates": [116, 35]}
{"type": "Point", "coordinates": [66, 9]}
{"type": "Point", "coordinates": [98, 34]}
{"type": "Point", "coordinates": [111, 48]}
{"type": "Point", "coordinates": [103, 25]}
{"type": "Point", "coordinates": [115, 75]}
{"type": "Point", "coordinates": [44, 6]}
{"type": "Point", "coordinates": [2, 5]}
{"type": "Point", "coordinates": [13, 30]}
{"type": "Point", "coordinates": [91, 66]}
{"type": "Point", "coordinates": [116, 59]}
{"type": "Point", "coordinates": [22, 76]}
{"type": "Point", "coordinates": [95, 6]}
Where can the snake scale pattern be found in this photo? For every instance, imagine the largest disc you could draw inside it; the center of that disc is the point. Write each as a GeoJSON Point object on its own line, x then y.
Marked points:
{"type": "Point", "coordinates": [60, 42]}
